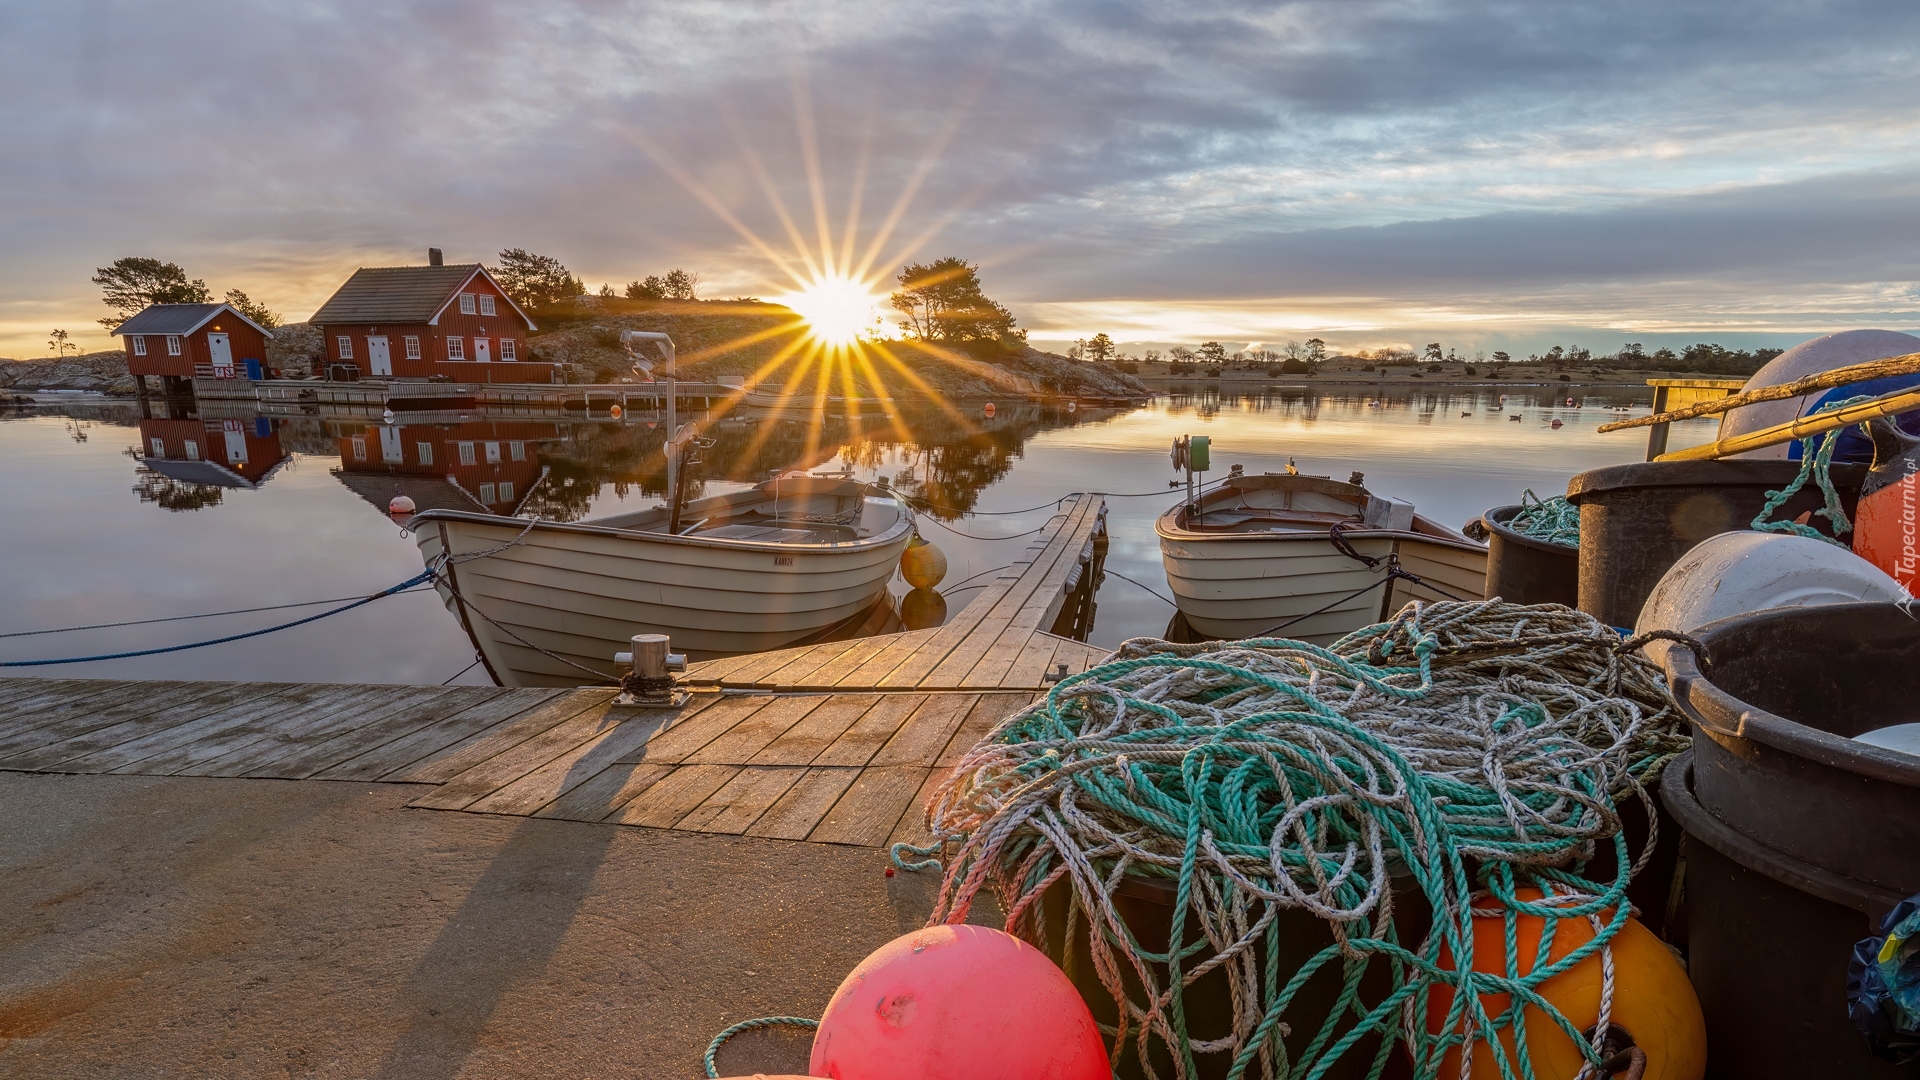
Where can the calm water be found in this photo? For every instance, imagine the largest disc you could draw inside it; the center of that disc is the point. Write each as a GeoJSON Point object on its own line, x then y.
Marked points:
{"type": "Point", "coordinates": [91, 534]}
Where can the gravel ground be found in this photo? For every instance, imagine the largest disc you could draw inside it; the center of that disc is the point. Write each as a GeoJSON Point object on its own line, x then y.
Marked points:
{"type": "Point", "coordinates": [161, 927]}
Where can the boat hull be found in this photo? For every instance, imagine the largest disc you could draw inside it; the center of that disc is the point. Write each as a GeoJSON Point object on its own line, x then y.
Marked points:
{"type": "Point", "coordinates": [581, 592]}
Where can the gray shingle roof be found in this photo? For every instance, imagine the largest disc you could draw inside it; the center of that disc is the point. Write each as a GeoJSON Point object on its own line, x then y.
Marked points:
{"type": "Point", "coordinates": [180, 319]}
{"type": "Point", "coordinates": [396, 294]}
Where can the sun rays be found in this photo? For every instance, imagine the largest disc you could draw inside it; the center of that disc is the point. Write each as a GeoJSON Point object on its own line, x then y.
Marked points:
{"type": "Point", "coordinates": [838, 356]}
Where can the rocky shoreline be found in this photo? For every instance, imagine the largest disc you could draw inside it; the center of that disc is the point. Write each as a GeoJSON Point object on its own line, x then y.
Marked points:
{"type": "Point", "coordinates": [101, 373]}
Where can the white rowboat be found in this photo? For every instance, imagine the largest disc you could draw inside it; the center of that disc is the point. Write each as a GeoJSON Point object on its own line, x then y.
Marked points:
{"type": "Point", "coordinates": [776, 565]}
{"type": "Point", "coordinates": [1260, 552]}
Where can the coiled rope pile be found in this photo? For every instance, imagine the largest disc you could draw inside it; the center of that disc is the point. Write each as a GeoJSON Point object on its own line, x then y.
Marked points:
{"type": "Point", "coordinates": [1469, 748]}
{"type": "Point", "coordinates": [1554, 520]}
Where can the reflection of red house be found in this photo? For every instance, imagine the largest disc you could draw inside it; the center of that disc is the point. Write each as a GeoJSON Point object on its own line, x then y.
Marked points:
{"type": "Point", "coordinates": [412, 322]}
{"type": "Point", "coordinates": [180, 341]}
{"type": "Point", "coordinates": [224, 453]}
{"type": "Point", "coordinates": [493, 461]}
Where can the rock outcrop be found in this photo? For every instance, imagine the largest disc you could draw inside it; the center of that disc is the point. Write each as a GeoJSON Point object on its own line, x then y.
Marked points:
{"type": "Point", "coordinates": [101, 372]}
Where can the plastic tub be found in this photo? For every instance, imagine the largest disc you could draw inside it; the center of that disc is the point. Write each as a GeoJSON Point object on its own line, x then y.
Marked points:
{"type": "Point", "coordinates": [1525, 570]}
{"type": "Point", "coordinates": [1799, 836]}
{"type": "Point", "coordinates": [1637, 520]}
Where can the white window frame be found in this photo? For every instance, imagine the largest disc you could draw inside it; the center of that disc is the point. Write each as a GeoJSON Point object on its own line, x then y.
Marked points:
{"type": "Point", "coordinates": [359, 444]}
{"type": "Point", "coordinates": [412, 345]}
{"type": "Point", "coordinates": [139, 344]}
{"type": "Point", "coordinates": [466, 453]}
{"type": "Point", "coordinates": [345, 342]}
{"type": "Point", "coordinates": [173, 345]}
{"type": "Point", "coordinates": [486, 304]}
{"type": "Point", "coordinates": [517, 450]}
{"type": "Point", "coordinates": [426, 452]}
{"type": "Point", "coordinates": [456, 348]}
{"type": "Point", "coordinates": [467, 304]}
{"type": "Point", "coordinates": [506, 491]}
{"type": "Point", "coordinates": [493, 453]}
{"type": "Point", "coordinates": [159, 447]}
{"type": "Point", "coordinates": [507, 352]}
{"type": "Point", "coordinates": [193, 449]}
{"type": "Point", "coordinates": [486, 494]}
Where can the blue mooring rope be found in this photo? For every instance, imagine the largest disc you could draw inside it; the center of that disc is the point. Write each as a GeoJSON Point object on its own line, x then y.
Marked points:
{"type": "Point", "coordinates": [421, 578]}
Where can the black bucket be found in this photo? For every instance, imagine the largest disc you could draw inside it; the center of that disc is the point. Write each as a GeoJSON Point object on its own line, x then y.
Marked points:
{"type": "Point", "coordinates": [1637, 520]}
{"type": "Point", "coordinates": [1525, 570]}
{"type": "Point", "coordinates": [1799, 839]}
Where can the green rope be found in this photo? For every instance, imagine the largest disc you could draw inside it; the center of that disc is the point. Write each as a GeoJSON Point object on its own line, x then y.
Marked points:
{"type": "Point", "coordinates": [713, 1048]}
{"type": "Point", "coordinates": [1466, 750]}
{"type": "Point", "coordinates": [1553, 521]}
{"type": "Point", "coordinates": [1815, 465]}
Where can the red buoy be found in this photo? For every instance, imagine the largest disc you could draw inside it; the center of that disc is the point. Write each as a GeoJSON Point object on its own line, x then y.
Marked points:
{"type": "Point", "coordinates": [987, 409]}
{"type": "Point", "coordinates": [958, 1003]}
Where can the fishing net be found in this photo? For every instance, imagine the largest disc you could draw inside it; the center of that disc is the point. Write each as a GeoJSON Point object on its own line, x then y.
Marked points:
{"type": "Point", "coordinates": [1452, 756]}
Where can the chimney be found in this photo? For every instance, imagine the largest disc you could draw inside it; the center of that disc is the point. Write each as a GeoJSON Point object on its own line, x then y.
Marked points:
{"type": "Point", "coordinates": [434, 258]}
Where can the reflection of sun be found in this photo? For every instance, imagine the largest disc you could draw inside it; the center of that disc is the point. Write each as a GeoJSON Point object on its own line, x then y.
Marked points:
{"type": "Point", "coordinates": [839, 310]}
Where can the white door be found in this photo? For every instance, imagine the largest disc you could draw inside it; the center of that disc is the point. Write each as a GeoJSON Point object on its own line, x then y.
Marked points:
{"type": "Point", "coordinates": [236, 439]}
{"type": "Point", "coordinates": [483, 350]}
{"type": "Point", "coordinates": [390, 446]}
{"type": "Point", "coordinates": [378, 357]}
{"type": "Point", "coordinates": [222, 353]}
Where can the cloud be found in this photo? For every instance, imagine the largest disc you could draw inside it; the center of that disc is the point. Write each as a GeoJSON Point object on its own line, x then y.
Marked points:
{"type": "Point", "coordinates": [1082, 151]}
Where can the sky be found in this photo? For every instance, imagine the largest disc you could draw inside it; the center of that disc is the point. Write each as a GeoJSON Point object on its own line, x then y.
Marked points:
{"type": "Point", "coordinates": [1488, 175]}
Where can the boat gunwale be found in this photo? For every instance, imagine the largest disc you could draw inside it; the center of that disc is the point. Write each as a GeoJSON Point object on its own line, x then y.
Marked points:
{"type": "Point", "coordinates": [881, 539]}
{"type": "Point", "coordinates": [1166, 530]}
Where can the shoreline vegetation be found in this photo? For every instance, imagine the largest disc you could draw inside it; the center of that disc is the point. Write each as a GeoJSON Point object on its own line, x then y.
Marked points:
{"type": "Point", "coordinates": [956, 343]}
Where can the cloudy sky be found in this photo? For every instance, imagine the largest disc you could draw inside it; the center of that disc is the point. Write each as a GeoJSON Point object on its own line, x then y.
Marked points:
{"type": "Point", "coordinates": [1492, 175]}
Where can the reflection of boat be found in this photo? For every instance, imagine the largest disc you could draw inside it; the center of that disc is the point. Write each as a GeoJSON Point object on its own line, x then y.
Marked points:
{"type": "Point", "coordinates": [776, 396]}
{"type": "Point", "coordinates": [774, 565]}
{"type": "Point", "coordinates": [1263, 550]}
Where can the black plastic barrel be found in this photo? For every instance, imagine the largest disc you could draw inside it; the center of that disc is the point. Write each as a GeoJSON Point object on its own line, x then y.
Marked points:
{"type": "Point", "coordinates": [1524, 570]}
{"type": "Point", "coordinates": [1799, 839]}
{"type": "Point", "coordinates": [1637, 520]}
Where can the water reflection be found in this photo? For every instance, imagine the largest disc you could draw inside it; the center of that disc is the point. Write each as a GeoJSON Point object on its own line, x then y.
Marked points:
{"type": "Point", "coordinates": [272, 529]}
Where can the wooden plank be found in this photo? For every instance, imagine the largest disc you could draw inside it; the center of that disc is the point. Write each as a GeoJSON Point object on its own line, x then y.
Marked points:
{"type": "Point", "coordinates": [600, 795]}
{"type": "Point", "coordinates": [796, 812]}
{"type": "Point", "coordinates": [432, 738]}
{"type": "Point", "coordinates": [665, 802]}
{"type": "Point", "coordinates": [575, 767]}
{"type": "Point", "coordinates": [831, 672]}
{"type": "Point", "coordinates": [682, 738]}
{"type": "Point", "coordinates": [1077, 655]}
{"type": "Point", "coordinates": [497, 772]}
{"type": "Point", "coordinates": [867, 813]}
{"type": "Point", "coordinates": [748, 737]}
{"type": "Point", "coordinates": [715, 671]}
{"type": "Point", "coordinates": [804, 741]}
{"type": "Point", "coordinates": [752, 672]}
{"type": "Point", "coordinates": [981, 719]}
{"type": "Point", "coordinates": [903, 648]}
{"type": "Point", "coordinates": [88, 714]}
{"type": "Point", "coordinates": [869, 733]}
{"type": "Point", "coordinates": [912, 826]}
{"type": "Point", "coordinates": [920, 740]}
{"type": "Point", "coordinates": [442, 765]}
{"type": "Point", "coordinates": [991, 669]}
{"type": "Point", "coordinates": [800, 669]}
{"type": "Point", "coordinates": [21, 697]}
{"type": "Point", "coordinates": [211, 737]}
{"type": "Point", "coordinates": [299, 756]}
{"type": "Point", "coordinates": [199, 745]}
{"type": "Point", "coordinates": [741, 801]}
{"type": "Point", "coordinates": [78, 753]}
{"type": "Point", "coordinates": [1020, 610]}
{"type": "Point", "coordinates": [1031, 667]}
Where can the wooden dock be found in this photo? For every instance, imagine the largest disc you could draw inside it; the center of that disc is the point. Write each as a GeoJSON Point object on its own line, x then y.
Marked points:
{"type": "Point", "coordinates": [831, 744]}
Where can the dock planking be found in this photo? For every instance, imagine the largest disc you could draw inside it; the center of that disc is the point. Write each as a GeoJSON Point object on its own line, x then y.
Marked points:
{"type": "Point", "coordinates": [840, 743]}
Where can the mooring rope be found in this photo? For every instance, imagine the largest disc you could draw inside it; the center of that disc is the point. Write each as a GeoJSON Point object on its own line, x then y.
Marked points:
{"type": "Point", "coordinates": [1816, 463]}
{"type": "Point", "coordinates": [713, 1048]}
{"type": "Point", "coordinates": [1468, 749]}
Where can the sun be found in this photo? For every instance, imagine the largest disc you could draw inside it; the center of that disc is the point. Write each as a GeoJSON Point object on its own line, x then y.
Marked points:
{"type": "Point", "coordinates": [838, 310]}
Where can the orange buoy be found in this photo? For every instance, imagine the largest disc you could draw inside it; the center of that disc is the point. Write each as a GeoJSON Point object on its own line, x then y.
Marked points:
{"type": "Point", "coordinates": [987, 409]}
{"type": "Point", "coordinates": [958, 1003]}
{"type": "Point", "coordinates": [616, 412]}
{"type": "Point", "coordinates": [922, 564]}
{"type": "Point", "coordinates": [1653, 1003]}
{"type": "Point", "coordinates": [400, 504]}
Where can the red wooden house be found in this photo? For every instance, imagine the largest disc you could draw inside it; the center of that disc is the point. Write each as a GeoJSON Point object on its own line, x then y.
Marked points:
{"type": "Point", "coordinates": [493, 462]}
{"type": "Point", "coordinates": [414, 322]}
{"type": "Point", "coordinates": [180, 341]}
